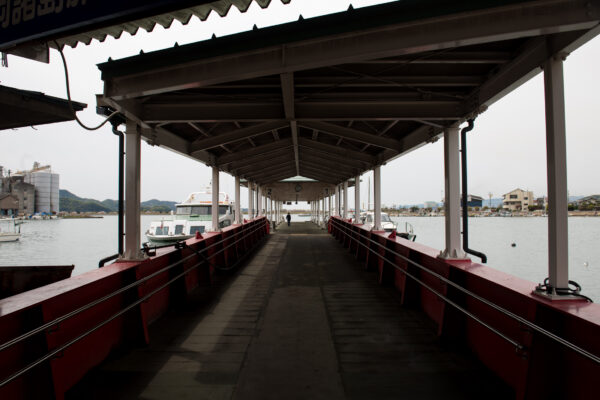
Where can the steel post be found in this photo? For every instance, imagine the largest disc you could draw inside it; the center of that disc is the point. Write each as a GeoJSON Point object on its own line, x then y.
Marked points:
{"type": "Point", "coordinates": [215, 200]}
{"type": "Point", "coordinates": [345, 216]}
{"type": "Point", "coordinates": [238, 208]}
{"type": "Point", "coordinates": [357, 199]}
{"type": "Point", "coordinates": [377, 198]}
{"type": "Point", "coordinates": [452, 199]}
{"type": "Point", "coordinates": [556, 156]}
{"type": "Point", "coordinates": [132, 192]}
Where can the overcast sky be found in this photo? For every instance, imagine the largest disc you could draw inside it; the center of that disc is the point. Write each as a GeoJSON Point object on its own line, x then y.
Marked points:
{"type": "Point", "coordinates": [506, 148]}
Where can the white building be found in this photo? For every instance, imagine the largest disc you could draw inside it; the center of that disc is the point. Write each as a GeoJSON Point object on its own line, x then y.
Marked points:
{"type": "Point", "coordinates": [46, 188]}
{"type": "Point", "coordinates": [518, 200]}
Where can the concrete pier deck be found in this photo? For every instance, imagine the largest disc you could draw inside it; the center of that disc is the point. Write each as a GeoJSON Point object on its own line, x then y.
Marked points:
{"type": "Point", "coordinates": [301, 319]}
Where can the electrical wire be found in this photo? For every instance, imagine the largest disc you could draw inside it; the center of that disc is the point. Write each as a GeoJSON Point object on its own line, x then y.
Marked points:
{"type": "Point", "coordinates": [66, 69]}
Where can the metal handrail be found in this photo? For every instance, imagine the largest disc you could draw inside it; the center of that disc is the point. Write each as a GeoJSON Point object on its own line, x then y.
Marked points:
{"type": "Point", "coordinates": [502, 310]}
{"type": "Point", "coordinates": [109, 319]}
{"type": "Point", "coordinates": [125, 288]}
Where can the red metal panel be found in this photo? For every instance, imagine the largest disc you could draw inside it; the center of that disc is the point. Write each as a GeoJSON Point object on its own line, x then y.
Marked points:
{"type": "Point", "coordinates": [544, 368]}
{"type": "Point", "coordinates": [23, 312]}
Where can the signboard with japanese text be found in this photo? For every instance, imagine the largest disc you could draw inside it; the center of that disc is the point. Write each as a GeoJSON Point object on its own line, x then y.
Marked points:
{"type": "Point", "coordinates": [23, 21]}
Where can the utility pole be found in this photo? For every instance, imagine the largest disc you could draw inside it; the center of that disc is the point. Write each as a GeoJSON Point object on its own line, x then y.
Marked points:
{"type": "Point", "coordinates": [490, 194]}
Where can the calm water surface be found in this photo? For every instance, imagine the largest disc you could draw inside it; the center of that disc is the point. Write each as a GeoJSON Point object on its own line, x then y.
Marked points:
{"type": "Point", "coordinates": [83, 242]}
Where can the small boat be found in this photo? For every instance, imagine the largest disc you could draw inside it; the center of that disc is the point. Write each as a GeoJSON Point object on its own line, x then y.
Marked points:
{"type": "Point", "coordinates": [368, 219]}
{"type": "Point", "coordinates": [191, 216]}
{"type": "Point", "coordinates": [7, 236]}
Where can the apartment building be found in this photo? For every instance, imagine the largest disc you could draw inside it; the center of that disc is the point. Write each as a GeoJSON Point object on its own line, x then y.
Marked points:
{"type": "Point", "coordinates": [518, 200]}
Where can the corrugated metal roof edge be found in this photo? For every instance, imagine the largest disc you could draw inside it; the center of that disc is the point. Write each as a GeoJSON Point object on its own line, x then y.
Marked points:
{"type": "Point", "coordinates": [77, 106]}
{"type": "Point", "coordinates": [303, 29]}
{"type": "Point", "coordinates": [221, 7]}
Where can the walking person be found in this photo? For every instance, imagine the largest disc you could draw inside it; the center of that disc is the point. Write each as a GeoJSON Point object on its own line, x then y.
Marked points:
{"type": "Point", "coordinates": [288, 217]}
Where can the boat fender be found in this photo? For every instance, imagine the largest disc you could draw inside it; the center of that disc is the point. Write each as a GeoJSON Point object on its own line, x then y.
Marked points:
{"type": "Point", "coordinates": [198, 235]}
{"type": "Point", "coordinates": [392, 235]}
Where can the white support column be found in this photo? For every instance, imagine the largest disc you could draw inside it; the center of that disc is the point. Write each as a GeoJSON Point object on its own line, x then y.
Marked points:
{"type": "Point", "coordinates": [318, 201]}
{"type": "Point", "coordinates": [345, 216]}
{"type": "Point", "coordinates": [556, 156]}
{"type": "Point", "coordinates": [339, 199]}
{"type": "Point", "coordinates": [452, 199]}
{"type": "Point", "coordinates": [238, 208]}
{"type": "Point", "coordinates": [133, 144]}
{"type": "Point", "coordinates": [250, 200]}
{"type": "Point", "coordinates": [357, 199]}
{"type": "Point", "coordinates": [215, 200]}
{"type": "Point", "coordinates": [329, 202]}
{"type": "Point", "coordinates": [377, 198]}
{"type": "Point", "coordinates": [259, 200]}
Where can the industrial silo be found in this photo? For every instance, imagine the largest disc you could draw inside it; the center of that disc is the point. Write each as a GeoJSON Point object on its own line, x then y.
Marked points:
{"type": "Point", "coordinates": [46, 190]}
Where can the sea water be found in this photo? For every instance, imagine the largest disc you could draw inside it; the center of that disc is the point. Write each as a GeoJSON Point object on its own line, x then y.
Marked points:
{"type": "Point", "coordinates": [518, 246]}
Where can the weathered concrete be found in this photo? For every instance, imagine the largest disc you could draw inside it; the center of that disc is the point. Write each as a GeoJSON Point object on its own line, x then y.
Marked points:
{"type": "Point", "coordinates": [300, 320]}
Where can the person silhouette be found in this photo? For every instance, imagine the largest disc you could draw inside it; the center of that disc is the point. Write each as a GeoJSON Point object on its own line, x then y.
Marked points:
{"type": "Point", "coordinates": [288, 217]}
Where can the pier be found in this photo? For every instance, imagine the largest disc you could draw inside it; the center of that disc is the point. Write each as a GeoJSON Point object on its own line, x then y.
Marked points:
{"type": "Point", "coordinates": [300, 319]}
{"type": "Point", "coordinates": [331, 308]}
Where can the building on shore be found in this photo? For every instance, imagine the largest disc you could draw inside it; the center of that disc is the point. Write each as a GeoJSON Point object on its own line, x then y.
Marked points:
{"type": "Point", "coordinates": [518, 200]}
{"type": "Point", "coordinates": [36, 190]}
{"type": "Point", "coordinates": [9, 205]}
{"type": "Point", "coordinates": [474, 201]}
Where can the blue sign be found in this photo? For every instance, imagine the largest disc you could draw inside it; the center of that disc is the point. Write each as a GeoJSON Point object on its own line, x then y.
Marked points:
{"type": "Point", "coordinates": [23, 21]}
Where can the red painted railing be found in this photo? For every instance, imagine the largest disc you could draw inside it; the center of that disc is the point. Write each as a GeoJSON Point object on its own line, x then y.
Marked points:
{"type": "Point", "coordinates": [52, 336]}
{"type": "Point", "coordinates": [542, 349]}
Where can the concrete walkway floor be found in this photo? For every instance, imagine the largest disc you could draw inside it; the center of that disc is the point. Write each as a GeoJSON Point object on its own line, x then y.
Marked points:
{"type": "Point", "coordinates": [300, 320]}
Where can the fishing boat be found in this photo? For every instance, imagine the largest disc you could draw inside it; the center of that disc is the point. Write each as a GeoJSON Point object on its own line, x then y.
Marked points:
{"type": "Point", "coordinates": [8, 235]}
{"type": "Point", "coordinates": [191, 216]}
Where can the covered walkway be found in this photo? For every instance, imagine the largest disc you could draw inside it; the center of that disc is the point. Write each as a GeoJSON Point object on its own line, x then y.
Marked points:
{"type": "Point", "coordinates": [301, 319]}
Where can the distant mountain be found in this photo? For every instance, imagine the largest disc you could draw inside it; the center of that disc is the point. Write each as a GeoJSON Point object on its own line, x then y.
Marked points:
{"type": "Point", "coordinates": [158, 206]}
{"type": "Point", "coordinates": [70, 202]}
{"type": "Point", "coordinates": [65, 194]}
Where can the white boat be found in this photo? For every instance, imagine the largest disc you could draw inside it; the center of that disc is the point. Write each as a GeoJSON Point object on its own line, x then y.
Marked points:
{"type": "Point", "coordinates": [7, 236]}
{"type": "Point", "coordinates": [367, 219]}
{"type": "Point", "coordinates": [191, 216]}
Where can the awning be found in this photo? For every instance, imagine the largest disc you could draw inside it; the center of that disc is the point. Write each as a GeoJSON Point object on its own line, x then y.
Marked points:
{"type": "Point", "coordinates": [21, 108]}
{"type": "Point", "coordinates": [331, 97]}
{"type": "Point", "coordinates": [28, 30]}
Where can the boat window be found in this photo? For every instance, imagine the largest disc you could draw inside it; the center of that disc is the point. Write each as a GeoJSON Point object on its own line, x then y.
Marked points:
{"type": "Point", "coordinates": [194, 229]}
{"type": "Point", "coordinates": [162, 230]}
{"type": "Point", "coordinates": [369, 218]}
{"type": "Point", "coordinates": [385, 218]}
{"type": "Point", "coordinates": [201, 210]}
{"type": "Point", "coordinates": [223, 210]}
{"type": "Point", "coordinates": [178, 229]}
{"type": "Point", "coordinates": [224, 223]}
{"type": "Point", "coordinates": [183, 210]}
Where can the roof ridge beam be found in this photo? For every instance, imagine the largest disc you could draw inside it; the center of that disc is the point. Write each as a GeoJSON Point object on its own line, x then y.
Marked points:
{"type": "Point", "coordinates": [287, 91]}
{"type": "Point", "coordinates": [254, 152]}
{"type": "Point", "coordinates": [235, 135]}
{"type": "Point", "coordinates": [354, 134]}
{"type": "Point", "coordinates": [327, 148]}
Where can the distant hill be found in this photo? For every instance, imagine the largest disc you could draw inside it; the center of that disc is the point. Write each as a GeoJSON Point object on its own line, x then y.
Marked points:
{"type": "Point", "coordinates": [158, 206]}
{"type": "Point", "coordinates": [70, 202]}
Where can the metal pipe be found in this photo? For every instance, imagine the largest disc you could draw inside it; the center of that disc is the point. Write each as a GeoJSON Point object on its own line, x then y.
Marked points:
{"type": "Point", "coordinates": [465, 211]}
{"type": "Point", "coordinates": [121, 185]}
